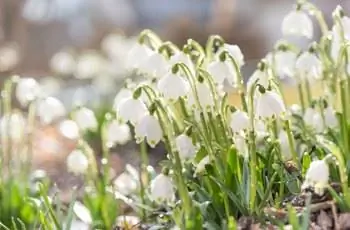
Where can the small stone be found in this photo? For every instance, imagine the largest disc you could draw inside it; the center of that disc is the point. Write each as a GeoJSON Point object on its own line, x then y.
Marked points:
{"type": "Point", "coordinates": [344, 221]}
{"type": "Point", "coordinates": [324, 221]}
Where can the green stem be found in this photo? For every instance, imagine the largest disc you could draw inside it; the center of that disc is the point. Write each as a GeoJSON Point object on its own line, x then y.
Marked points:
{"type": "Point", "coordinates": [143, 180]}
{"type": "Point", "coordinates": [308, 92]}
{"type": "Point", "coordinates": [291, 143]}
{"type": "Point", "coordinates": [301, 97]}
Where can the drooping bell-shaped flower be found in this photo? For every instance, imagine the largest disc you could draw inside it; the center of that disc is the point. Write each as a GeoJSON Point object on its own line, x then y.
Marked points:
{"type": "Point", "coordinates": [185, 147]}
{"type": "Point", "coordinates": [330, 117]}
{"type": "Point", "coordinates": [317, 176]}
{"type": "Point", "coordinates": [125, 184]}
{"type": "Point", "coordinates": [285, 63]}
{"type": "Point", "coordinates": [162, 189]}
{"type": "Point", "coordinates": [137, 55]}
{"type": "Point", "coordinates": [155, 65]}
{"type": "Point", "coordinates": [13, 126]}
{"type": "Point", "coordinates": [131, 109]}
{"type": "Point", "coordinates": [259, 77]}
{"type": "Point", "coordinates": [118, 133]}
{"type": "Point", "coordinates": [200, 167]}
{"type": "Point", "coordinates": [241, 145]}
{"type": "Point", "coordinates": [204, 95]}
{"type": "Point", "coordinates": [89, 65]}
{"type": "Point", "coordinates": [148, 128]}
{"type": "Point", "coordinates": [239, 121]}
{"type": "Point", "coordinates": [69, 129]}
{"type": "Point", "coordinates": [269, 104]}
{"type": "Point", "coordinates": [63, 63]}
{"type": "Point", "coordinates": [221, 70]}
{"type": "Point", "coordinates": [85, 119]}
{"type": "Point", "coordinates": [181, 57]}
{"type": "Point", "coordinates": [284, 144]}
{"type": "Point", "coordinates": [172, 86]}
{"type": "Point", "coordinates": [309, 65]}
{"type": "Point", "coordinates": [77, 162]}
{"type": "Point", "coordinates": [313, 119]}
{"type": "Point", "coordinates": [27, 90]}
{"type": "Point", "coordinates": [297, 23]}
{"type": "Point", "coordinates": [50, 109]}
{"type": "Point", "coordinates": [235, 52]}
{"type": "Point", "coordinates": [121, 95]}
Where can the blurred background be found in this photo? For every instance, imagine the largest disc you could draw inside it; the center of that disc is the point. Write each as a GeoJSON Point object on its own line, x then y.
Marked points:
{"type": "Point", "coordinates": [40, 28]}
{"type": "Point", "coordinates": [32, 32]}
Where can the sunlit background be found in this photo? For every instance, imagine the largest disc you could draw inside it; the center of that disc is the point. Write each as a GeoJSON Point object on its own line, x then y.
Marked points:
{"type": "Point", "coordinates": [39, 28]}
{"type": "Point", "coordinates": [77, 48]}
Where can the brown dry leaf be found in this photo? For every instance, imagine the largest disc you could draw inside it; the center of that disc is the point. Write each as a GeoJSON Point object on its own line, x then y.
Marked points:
{"type": "Point", "coordinates": [344, 221]}
{"type": "Point", "coordinates": [324, 221]}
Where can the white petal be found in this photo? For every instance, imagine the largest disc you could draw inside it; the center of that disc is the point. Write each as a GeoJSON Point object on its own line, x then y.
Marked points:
{"type": "Point", "coordinates": [131, 109]}
{"type": "Point", "coordinates": [297, 23]}
{"type": "Point", "coordinates": [118, 133]}
{"type": "Point", "coordinates": [285, 63]}
{"type": "Point", "coordinates": [50, 109]}
{"type": "Point", "coordinates": [221, 71]}
{"type": "Point", "coordinates": [162, 189]}
{"type": "Point", "coordinates": [138, 54]}
{"type": "Point", "coordinates": [269, 104]}
{"type": "Point", "coordinates": [172, 86]}
{"type": "Point", "coordinates": [148, 127]}
{"type": "Point", "coordinates": [185, 147]}
{"type": "Point", "coordinates": [235, 52]}
{"type": "Point", "coordinates": [85, 119]}
{"type": "Point", "coordinates": [77, 162]}
{"type": "Point", "coordinates": [239, 121]}
{"type": "Point", "coordinates": [27, 90]}
{"type": "Point", "coordinates": [155, 65]}
{"type": "Point", "coordinates": [69, 129]}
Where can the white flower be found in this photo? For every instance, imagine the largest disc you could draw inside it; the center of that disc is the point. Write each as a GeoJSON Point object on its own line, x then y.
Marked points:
{"type": "Point", "coordinates": [181, 57]}
{"type": "Point", "coordinates": [200, 167]}
{"type": "Point", "coordinates": [345, 23]}
{"type": "Point", "coordinates": [308, 65]}
{"type": "Point", "coordinates": [185, 147]}
{"type": "Point", "coordinates": [313, 119]}
{"type": "Point", "coordinates": [205, 97]}
{"type": "Point", "coordinates": [118, 133]}
{"type": "Point", "coordinates": [148, 127]}
{"type": "Point", "coordinates": [137, 55]}
{"type": "Point", "coordinates": [317, 176]}
{"type": "Point", "coordinates": [9, 57]}
{"type": "Point", "coordinates": [127, 222]}
{"type": "Point", "coordinates": [63, 63]}
{"type": "Point", "coordinates": [50, 86]}
{"type": "Point", "coordinates": [27, 90]}
{"type": "Point", "coordinates": [89, 65]}
{"type": "Point", "coordinates": [131, 109]}
{"type": "Point", "coordinates": [221, 70]}
{"type": "Point", "coordinates": [241, 145]}
{"type": "Point", "coordinates": [330, 118]}
{"type": "Point", "coordinates": [297, 23]}
{"type": "Point", "coordinates": [258, 77]}
{"type": "Point", "coordinates": [269, 104]}
{"type": "Point", "coordinates": [13, 126]}
{"type": "Point", "coordinates": [284, 143]}
{"type": "Point", "coordinates": [121, 95]}
{"type": "Point", "coordinates": [172, 86]}
{"type": "Point", "coordinates": [69, 129]}
{"type": "Point", "coordinates": [125, 184]}
{"type": "Point", "coordinates": [85, 119]}
{"type": "Point", "coordinates": [235, 52]}
{"type": "Point", "coordinates": [77, 162]}
{"type": "Point", "coordinates": [260, 129]}
{"type": "Point", "coordinates": [155, 65]}
{"type": "Point", "coordinates": [50, 109]}
{"type": "Point", "coordinates": [239, 121]}
{"type": "Point", "coordinates": [285, 63]}
{"type": "Point", "coordinates": [162, 189]}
